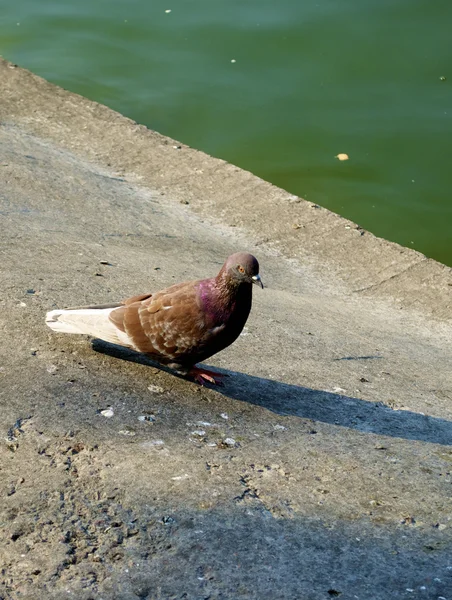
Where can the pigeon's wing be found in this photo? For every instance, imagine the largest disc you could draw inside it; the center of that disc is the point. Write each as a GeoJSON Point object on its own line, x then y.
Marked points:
{"type": "Point", "coordinates": [134, 299]}
{"type": "Point", "coordinates": [138, 298]}
{"type": "Point", "coordinates": [169, 324]}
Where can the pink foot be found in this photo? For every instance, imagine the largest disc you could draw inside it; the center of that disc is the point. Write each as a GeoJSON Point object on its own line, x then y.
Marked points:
{"type": "Point", "coordinates": [202, 376]}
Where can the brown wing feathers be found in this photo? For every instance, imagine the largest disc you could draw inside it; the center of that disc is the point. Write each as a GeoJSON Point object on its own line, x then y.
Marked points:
{"type": "Point", "coordinates": [167, 323]}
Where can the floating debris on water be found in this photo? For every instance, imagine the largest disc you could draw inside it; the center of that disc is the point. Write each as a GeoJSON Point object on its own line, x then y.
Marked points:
{"type": "Point", "coordinates": [342, 156]}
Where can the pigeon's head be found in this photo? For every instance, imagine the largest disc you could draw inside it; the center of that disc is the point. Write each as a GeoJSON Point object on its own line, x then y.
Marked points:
{"type": "Point", "coordinates": [242, 268]}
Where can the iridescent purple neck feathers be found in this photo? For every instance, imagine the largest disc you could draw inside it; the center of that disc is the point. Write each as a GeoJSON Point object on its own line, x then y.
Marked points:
{"type": "Point", "coordinates": [229, 294]}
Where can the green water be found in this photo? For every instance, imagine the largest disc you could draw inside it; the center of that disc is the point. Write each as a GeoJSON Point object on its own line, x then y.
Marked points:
{"type": "Point", "coordinates": [311, 79]}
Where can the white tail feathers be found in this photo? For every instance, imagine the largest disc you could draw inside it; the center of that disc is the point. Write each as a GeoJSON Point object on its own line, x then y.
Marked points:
{"type": "Point", "coordinates": [88, 321]}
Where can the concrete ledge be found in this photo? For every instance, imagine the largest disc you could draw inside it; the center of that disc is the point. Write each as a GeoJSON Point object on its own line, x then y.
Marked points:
{"type": "Point", "coordinates": [331, 245]}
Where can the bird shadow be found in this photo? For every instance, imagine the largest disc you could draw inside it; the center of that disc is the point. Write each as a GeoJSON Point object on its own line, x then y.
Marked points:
{"type": "Point", "coordinates": [316, 405]}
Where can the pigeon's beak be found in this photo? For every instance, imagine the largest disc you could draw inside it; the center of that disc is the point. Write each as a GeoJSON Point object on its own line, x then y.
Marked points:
{"type": "Point", "coordinates": [257, 280]}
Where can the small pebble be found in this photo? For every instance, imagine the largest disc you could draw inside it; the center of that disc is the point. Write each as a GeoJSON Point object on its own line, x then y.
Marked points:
{"type": "Point", "coordinates": [229, 442]}
{"type": "Point", "coordinates": [128, 432]}
{"type": "Point", "coordinates": [155, 389]}
{"type": "Point", "coordinates": [199, 432]}
{"type": "Point", "coordinates": [107, 412]}
{"type": "Point", "coordinates": [167, 520]}
{"type": "Point", "coordinates": [152, 443]}
{"type": "Point", "coordinates": [224, 416]}
{"type": "Point", "coordinates": [147, 418]}
{"type": "Point", "coordinates": [52, 369]}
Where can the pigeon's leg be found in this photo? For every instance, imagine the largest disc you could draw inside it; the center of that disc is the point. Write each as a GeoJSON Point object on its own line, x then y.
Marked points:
{"type": "Point", "coordinates": [202, 376]}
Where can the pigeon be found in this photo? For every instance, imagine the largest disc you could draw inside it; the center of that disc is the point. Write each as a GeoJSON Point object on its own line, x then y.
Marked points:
{"type": "Point", "coordinates": [176, 327]}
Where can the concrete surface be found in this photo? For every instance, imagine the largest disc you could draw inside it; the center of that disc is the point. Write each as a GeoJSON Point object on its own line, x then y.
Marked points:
{"type": "Point", "coordinates": [321, 469]}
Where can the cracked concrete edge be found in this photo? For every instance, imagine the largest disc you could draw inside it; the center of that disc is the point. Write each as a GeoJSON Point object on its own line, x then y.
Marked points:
{"type": "Point", "coordinates": [332, 247]}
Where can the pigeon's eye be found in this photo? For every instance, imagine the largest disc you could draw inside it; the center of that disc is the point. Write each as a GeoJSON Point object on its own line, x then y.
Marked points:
{"type": "Point", "coordinates": [241, 269]}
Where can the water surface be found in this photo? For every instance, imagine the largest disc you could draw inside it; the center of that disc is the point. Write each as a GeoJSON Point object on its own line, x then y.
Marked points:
{"type": "Point", "coordinates": [278, 88]}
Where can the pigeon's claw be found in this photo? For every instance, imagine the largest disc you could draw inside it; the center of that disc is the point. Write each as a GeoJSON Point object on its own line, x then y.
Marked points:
{"type": "Point", "coordinates": [202, 376]}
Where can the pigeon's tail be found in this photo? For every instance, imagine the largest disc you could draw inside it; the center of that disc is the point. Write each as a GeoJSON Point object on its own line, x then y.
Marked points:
{"type": "Point", "coordinates": [88, 321]}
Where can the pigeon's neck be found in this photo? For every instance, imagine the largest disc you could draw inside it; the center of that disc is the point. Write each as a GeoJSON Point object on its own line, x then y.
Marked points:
{"type": "Point", "coordinates": [229, 289]}
{"type": "Point", "coordinates": [223, 297]}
